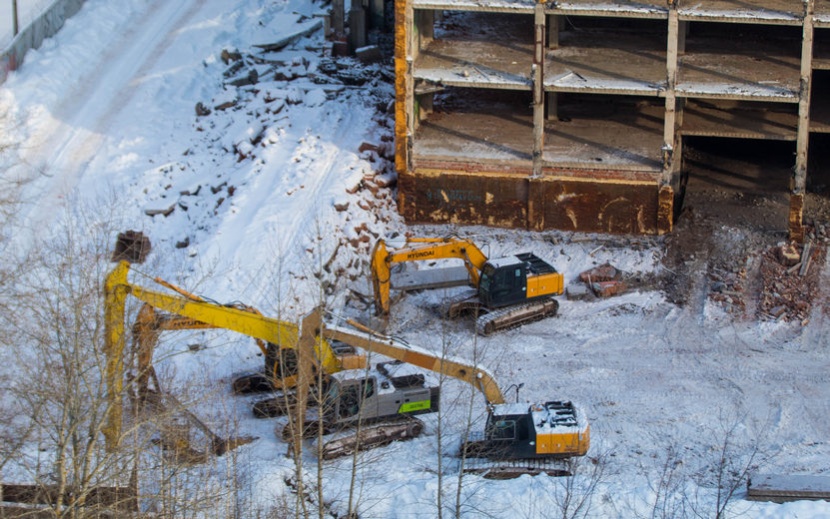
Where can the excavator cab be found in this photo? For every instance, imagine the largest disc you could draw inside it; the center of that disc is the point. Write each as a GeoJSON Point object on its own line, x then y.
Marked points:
{"type": "Point", "coordinates": [503, 282]}
{"type": "Point", "coordinates": [553, 429]}
{"type": "Point", "coordinates": [345, 398]}
{"type": "Point", "coordinates": [517, 279]}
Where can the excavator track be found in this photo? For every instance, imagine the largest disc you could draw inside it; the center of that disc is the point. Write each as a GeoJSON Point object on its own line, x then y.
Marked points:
{"type": "Point", "coordinates": [372, 436]}
{"type": "Point", "coordinates": [509, 317]}
{"type": "Point", "coordinates": [251, 383]}
{"type": "Point", "coordinates": [511, 469]}
{"type": "Point", "coordinates": [275, 406]}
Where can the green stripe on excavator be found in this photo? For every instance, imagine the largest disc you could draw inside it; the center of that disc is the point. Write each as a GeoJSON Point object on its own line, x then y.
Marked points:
{"type": "Point", "coordinates": [409, 407]}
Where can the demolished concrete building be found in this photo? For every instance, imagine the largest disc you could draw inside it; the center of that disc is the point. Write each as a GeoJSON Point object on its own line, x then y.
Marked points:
{"type": "Point", "coordinates": [572, 114]}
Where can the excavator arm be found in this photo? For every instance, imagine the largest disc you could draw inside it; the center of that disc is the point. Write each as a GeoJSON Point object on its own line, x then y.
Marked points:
{"type": "Point", "coordinates": [147, 329]}
{"type": "Point", "coordinates": [362, 337]}
{"type": "Point", "coordinates": [419, 249]}
{"type": "Point", "coordinates": [186, 307]}
{"type": "Point", "coordinates": [544, 432]}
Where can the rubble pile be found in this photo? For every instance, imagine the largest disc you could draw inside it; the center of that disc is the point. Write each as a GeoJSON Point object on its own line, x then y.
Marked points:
{"type": "Point", "coordinates": [605, 281]}
{"type": "Point", "coordinates": [727, 284]}
{"type": "Point", "coordinates": [791, 282]}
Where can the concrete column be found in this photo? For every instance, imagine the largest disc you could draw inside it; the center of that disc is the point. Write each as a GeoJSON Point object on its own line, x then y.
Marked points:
{"type": "Point", "coordinates": [376, 18]}
{"type": "Point", "coordinates": [423, 30]}
{"type": "Point", "coordinates": [552, 106]}
{"type": "Point", "coordinates": [538, 81]}
{"type": "Point", "coordinates": [669, 178]}
{"type": "Point", "coordinates": [406, 51]}
{"type": "Point", "coordinates": [338, 18]}
{"type": "Point", "coordinates": [683, 31]}
{"type": "Point", "coordinates": [425, 106]}
{"type": "Point", "coordinates": [556, 24]}
{"type": "Point", "coordinates": [799, 181]}
{"type": "Point", "coordinates": [670, 119]}
{"type": "Point", "coordinates": [357, 28]}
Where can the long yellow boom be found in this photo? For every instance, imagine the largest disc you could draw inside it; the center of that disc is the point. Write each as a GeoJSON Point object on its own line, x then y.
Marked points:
{"type": "Point", "coordinates": [118, 288]}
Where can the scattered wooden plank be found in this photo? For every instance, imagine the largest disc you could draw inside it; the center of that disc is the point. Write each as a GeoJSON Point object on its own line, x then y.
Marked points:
{"type": "Point", "coordinates": [805, 258]}
{"type": "Point", "coordinates": [780, 488]}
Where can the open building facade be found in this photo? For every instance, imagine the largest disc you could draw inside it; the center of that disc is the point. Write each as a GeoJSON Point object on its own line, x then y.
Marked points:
{"type": "Point", "coordinates": [573, 114]}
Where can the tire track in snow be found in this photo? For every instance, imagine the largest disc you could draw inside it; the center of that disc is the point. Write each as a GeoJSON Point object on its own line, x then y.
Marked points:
{"type": "Point", "coordinates": [242, 232]}
{"type": "Point", "coordinates": [71, 147]}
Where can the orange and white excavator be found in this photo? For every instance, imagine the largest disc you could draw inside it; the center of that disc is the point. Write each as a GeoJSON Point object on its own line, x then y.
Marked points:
{"type": "Point", "coordinates": [518, 438]}
{"type": "Point", "coordinates": [509, 291]}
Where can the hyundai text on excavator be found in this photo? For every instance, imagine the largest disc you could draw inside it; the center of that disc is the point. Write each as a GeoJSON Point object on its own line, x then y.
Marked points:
{"type": "Point", "coordinates": [381, 402]}
{"type": "Point", "coordinates": [276, 339]}
{"type": "Point", "coordinates": [509, 291]}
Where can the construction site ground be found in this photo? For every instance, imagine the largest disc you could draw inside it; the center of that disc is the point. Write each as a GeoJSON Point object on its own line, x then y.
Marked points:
{"type": "Point", "coordinates": [725, 245]}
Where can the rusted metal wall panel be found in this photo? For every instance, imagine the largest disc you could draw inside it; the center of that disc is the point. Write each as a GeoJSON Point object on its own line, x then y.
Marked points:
{"type": "Point", "coordinates": [469, 199]}
{"type": "Point", "coordinates": [597, 206]}
{"type": "Point", "coordinates": [401, 71]}
{"type": "Point", "coordinates": [519, 201]}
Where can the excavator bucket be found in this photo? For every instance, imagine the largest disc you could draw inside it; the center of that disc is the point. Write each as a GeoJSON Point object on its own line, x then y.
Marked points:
{"type": "Point", "coordinates": [131, 246]}
{"type": "Point", "coordinates": [182, 443]}
{"type": "Point", "coordinates": [182, 431]}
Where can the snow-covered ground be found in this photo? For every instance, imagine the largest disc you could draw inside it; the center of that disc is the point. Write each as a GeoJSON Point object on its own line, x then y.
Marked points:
{"type": "Point", "coordinates": [248, 202]}
{"type": "Point", "coordinates": [27, 10]}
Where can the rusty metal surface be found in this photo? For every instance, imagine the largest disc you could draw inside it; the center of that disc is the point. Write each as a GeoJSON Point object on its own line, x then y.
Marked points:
{"type": "Point", "coordinates": [401, 72]}
{"type": "Point", "coordinates": [469, 161]}
{"type": "Point", "coordinates": [514, 201]}
{"type": "Point", "coordinates": [796, 218]}
{"type": "Point", "coordinates": [665, 210]}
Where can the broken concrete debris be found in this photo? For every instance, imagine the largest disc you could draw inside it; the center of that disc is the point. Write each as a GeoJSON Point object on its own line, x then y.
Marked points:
{"type": "Point", "coordinates": [604, 272]}
{"type": "Point", "coordinates": [202, 110]}
{"type": "Point", "coordinates": [789, 285]}
{"type": "Point", "coordinates": [602, 281]}
{"type": "Point", "coordinates": [164, 211]}
{"type": "Point", "coordinates": [788, 254]}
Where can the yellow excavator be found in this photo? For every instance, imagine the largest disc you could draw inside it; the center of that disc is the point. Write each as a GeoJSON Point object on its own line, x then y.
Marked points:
{"type": "Point", "coordinates": [518, 438]}
{"type": "Point", "coordinates": [383, 399]}
{"type": "Point", "coordinates": [181, 310]}
{"type": "Point", "coordinates": [509, 291]}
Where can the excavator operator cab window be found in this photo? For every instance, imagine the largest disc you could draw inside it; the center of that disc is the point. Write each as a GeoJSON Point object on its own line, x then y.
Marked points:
{"type": "Point", "coordinates": [502, 285]}
{"type": "Point", "coordinates": [503, 430]}
{"type": "Point", "coordinates": [352, 396]}
{"type": "Point", "coordinates": [485, 279]}
{"type": "Point", "coordinates": [331, 399]}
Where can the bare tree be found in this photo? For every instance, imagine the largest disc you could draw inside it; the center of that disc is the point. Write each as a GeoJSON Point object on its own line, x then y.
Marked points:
{"type": "Point", "coordinates": [727, 464]}
{"type": "Point", "coordinates": [668, 489]}
{"type": "Point", "coordinates": [57, 321]}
